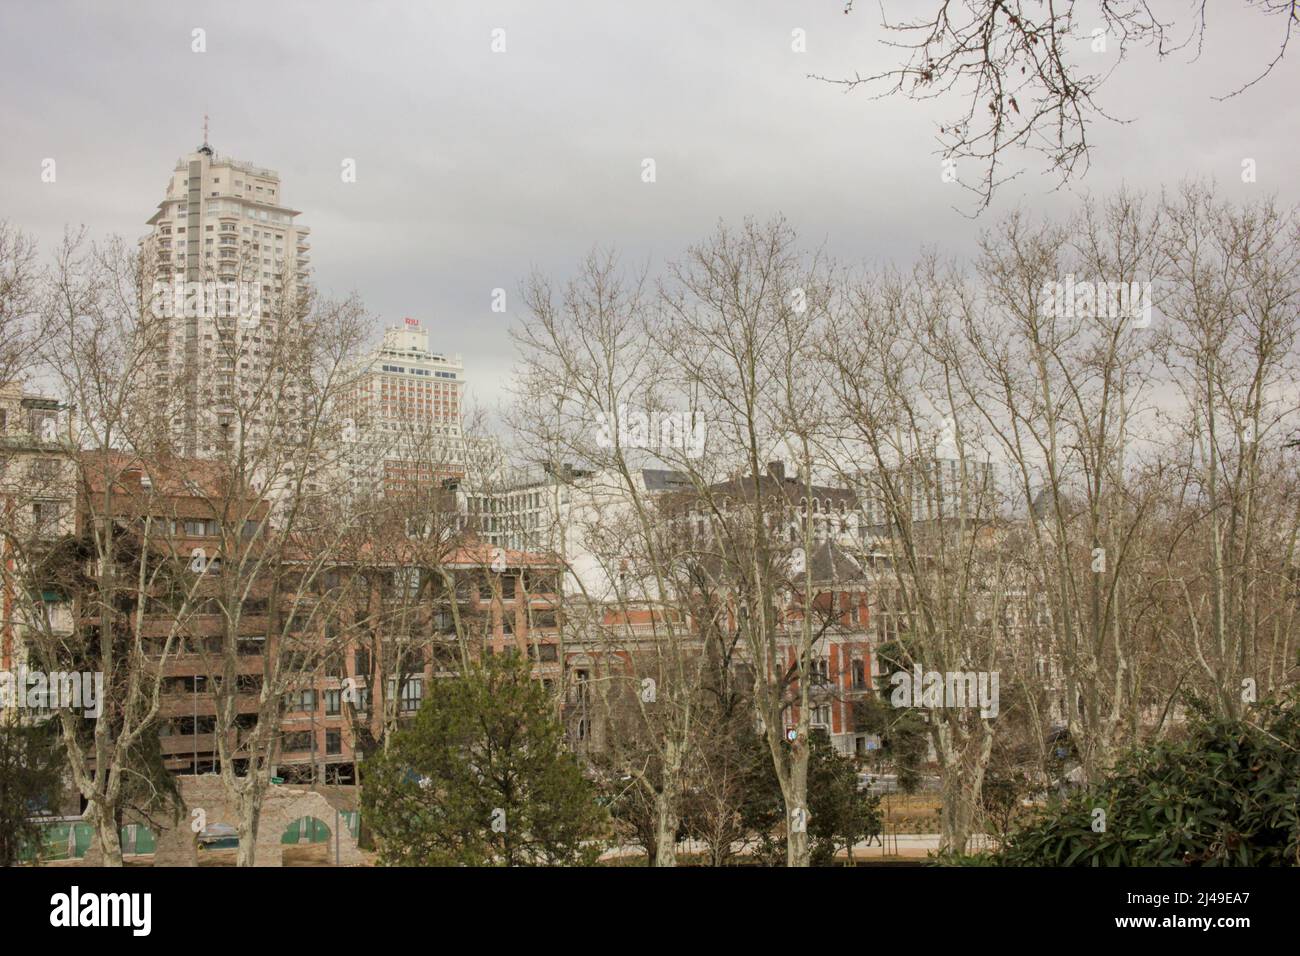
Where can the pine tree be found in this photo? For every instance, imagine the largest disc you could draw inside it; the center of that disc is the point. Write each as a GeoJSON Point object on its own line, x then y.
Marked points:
{"type": "Point", "coordinates": [482, 777]}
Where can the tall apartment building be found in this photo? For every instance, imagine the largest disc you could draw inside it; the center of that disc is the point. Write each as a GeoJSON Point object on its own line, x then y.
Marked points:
{"type": "Point", "coordinates": [229, 261]}
{"type": "Point", "coordinates": [406, 411]}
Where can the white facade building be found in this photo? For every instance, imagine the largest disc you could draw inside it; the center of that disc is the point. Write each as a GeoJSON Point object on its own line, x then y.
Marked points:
{"type": "Point", "coordinates": [406, 415]}
{"type": "Point", "coordinates": [228, 260]}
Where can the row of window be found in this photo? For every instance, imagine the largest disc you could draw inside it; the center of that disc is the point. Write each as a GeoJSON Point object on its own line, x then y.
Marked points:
{"type": "Point", "coordinates": [402, 370]}
{"type": "Point", "coordinates": [305, 740]}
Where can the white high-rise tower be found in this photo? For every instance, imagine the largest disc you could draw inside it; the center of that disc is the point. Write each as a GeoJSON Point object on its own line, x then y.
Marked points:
{"type": "Point", "coordinates": [229, 264]}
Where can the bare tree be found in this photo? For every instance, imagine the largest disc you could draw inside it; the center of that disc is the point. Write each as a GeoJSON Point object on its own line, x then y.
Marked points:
{"type": "Point", "coordinates": [745, 312]}
{"type": "Point", "coordinates": [591, 360]}
{"type": "Point", "coordinates": [99, 326]}
{"type": "Point", "coordinates": [944, 577]}
{"type": "Point", "coordinates": [20, 312]}
{"type": "Point", "coordinates": [281, 517]}
{"type": "Point", "coordinates": [1019, 69]}
{"type": "Point", "coordinates": [1230, 348]}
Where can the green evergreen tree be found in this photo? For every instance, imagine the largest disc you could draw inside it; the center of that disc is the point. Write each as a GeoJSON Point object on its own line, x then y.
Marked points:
{"type": "Point", "coordinates": [31, 765]}
{"type": "Point", "coordinates": [839, 814]}
{"type": "Point", "coordinates": [482, 777]}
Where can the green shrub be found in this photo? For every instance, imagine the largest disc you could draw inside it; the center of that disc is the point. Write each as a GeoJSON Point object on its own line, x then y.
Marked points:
{"type": "Point", "coordinates": [1228, 794]}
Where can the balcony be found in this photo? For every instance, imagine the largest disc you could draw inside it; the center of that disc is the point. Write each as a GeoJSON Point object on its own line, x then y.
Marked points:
{"type": "Point", "coordinates": [178, 745]}
{"type": "Point", "coordinates": [201, 704]}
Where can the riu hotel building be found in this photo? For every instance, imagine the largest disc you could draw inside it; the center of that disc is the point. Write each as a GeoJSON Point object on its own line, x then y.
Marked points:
{"type": "Point", "coordinates": [406, 410]}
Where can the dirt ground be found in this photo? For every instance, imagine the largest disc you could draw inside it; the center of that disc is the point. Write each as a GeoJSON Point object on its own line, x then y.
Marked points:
{"type": "Point", "coordinates": [911, 813]}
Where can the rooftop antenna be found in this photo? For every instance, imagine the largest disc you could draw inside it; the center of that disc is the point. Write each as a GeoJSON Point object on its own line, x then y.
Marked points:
{"type": "Point", "coordinates": [205, 148]}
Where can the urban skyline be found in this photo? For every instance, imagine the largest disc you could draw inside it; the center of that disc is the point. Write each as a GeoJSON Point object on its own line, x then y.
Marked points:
{"type": "Point", "coordinates": [457, 172]}
{"type": "Point", "coordinates": [576, 437]}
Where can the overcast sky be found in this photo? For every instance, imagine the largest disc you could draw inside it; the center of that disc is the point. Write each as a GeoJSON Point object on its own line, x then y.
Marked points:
{"type": "Point", "coordinates": [475, 167]}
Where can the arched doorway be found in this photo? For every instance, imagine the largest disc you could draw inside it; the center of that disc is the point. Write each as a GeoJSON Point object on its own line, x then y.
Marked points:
{"type": "Point", "coordinates": [139, 843]}
{"type": "Point", "coordinates": [307, 841]}
{"type": "Point", "coordinates": [306, 830]}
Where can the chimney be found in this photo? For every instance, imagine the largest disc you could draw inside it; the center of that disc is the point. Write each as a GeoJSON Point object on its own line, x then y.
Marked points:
{"type": "Point", "coordinates": [776, 469]}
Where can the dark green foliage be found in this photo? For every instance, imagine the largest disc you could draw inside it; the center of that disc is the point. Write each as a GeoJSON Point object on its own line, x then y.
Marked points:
{"type": "Point", "coordinates": [838, 814]}
{"type": "Point", "coordinates": [631, 806]}
{"type": "Point", "coordinates": [483, 742]}
{"type": "Point", "coordinates": [149, 790]}
{"type": "Point", "coordinates": [762, 811]}
{"type": "Point", "coordinates": [31, 763]}
{"type": "Point", "coordinates": [902, 731]}
{"type": "Point", "coordinates": [1228, 794]}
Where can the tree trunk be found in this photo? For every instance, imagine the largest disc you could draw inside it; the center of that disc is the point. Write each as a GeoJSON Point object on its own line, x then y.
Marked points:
{"type": "Point", "coordinates": [665, 828]}
{"type": "Point", "coordinates": [955, 820]}
{"type": "Point", "coordinates": [250, 812]}
{"type": "Point", "coordinates": [108, 835]}
{"type": "Point", "coordinates": [796, 843]}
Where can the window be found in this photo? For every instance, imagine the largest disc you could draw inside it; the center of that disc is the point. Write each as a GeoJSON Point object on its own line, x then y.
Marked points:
{"type": "Point", "coordinates": [44, 425]}
{"type": "Point", "coordinates": [333, 663]}
{"type": "Point", "coordinates": [333, 703]}
{"type": "Point", "coordinates": [411, 694]}
{"type": "Point", "coordinates": [859, 674]}
{"type": "Point", "coordinates": [45, 517]}
{"type": "Point", "coordinates": [190, 726]}
{"type": "Point", "coordinates": [300, 701]}
{"type": "Point", "coordinates": [300, 740]}
{"type": "Point", "coordinates": [333, 741]}
{"type": "Point", "coordinates": [581, 689]}
{"type": "Point", "coordinates": [198, 528]}
{"type": "Point", "coordinates": [250, 646]}
{"type": "Point", "coordinates": [408, 582]}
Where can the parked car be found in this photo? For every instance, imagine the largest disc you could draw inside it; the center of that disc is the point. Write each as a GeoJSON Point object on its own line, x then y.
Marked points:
{"type": "Point", "coordinates": [218, 836]}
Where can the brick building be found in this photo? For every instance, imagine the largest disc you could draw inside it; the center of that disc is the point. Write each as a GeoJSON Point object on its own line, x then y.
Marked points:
{"type": "Point", "coordinates": [347, 639]}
